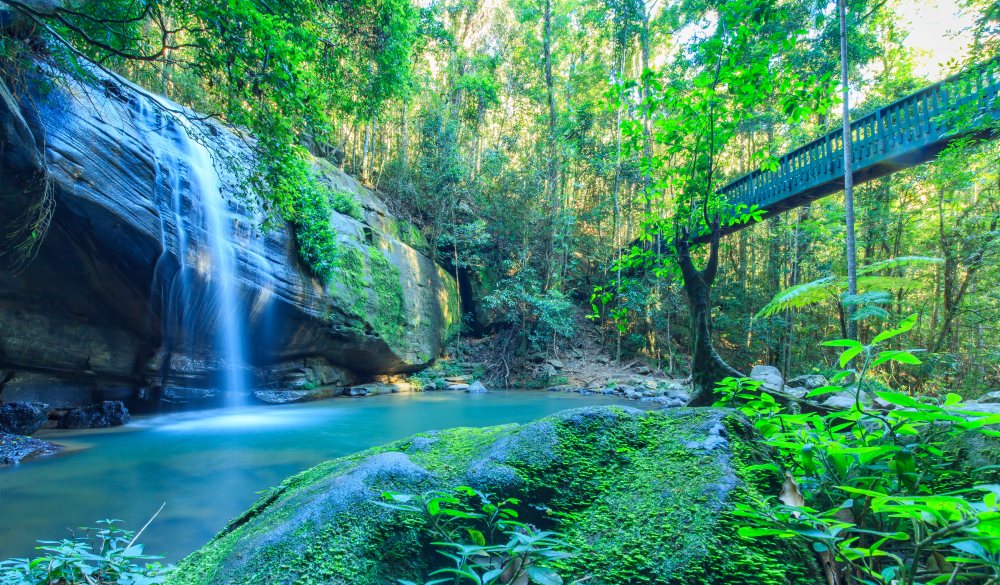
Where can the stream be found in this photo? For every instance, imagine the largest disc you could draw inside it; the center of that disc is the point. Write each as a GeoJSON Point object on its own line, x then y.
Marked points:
{"type": "Point", "coordinates": [208, 466]}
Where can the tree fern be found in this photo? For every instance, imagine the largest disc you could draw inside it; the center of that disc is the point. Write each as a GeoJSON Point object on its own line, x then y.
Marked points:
{"type": "Point", "coordinates": [831, 287]}
{"type": "Point", "coordinates": [802, 295]}
{"type": "Point", "coordinates": [902, 261]}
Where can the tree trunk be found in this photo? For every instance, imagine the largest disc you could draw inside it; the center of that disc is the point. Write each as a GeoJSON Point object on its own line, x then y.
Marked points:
{"type": "Point", "coordinates": [708, 367]}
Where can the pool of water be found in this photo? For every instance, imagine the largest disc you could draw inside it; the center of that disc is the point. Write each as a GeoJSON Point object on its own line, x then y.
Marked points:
{"type": "Point", "coordinates": [207, 466]}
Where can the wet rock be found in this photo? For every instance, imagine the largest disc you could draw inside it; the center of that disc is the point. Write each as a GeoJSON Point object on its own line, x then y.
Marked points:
{"type": "Point", "coordinates": [809, 381]}
{"type": "Point", "coordinates": [280, 396]}
{"type": "Point", "coordinates": [459, 387]}
{"type": "Point", "coordinates": [668, 400]}
{"type": "Point", "coordinates": [110, 413]}
{"type": "Point", "coordinates": [356, 391]}
{"type": "Point", "coordinates": [16, 448]}
{"type": "Point", "coordinates": [23, 418]}
{"type": "Point", "coordinates": [477, 388]}
{"type": "Point", "coordinates": [380, 388]}
{"type": "Point", "coordinates": [769, 376]}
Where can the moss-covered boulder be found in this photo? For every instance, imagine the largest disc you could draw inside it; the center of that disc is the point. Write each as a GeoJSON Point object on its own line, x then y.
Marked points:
{"type": "Point", "coordinates": [644, 496]}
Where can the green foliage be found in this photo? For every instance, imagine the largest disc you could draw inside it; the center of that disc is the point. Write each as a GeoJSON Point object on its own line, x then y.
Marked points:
{"type": "Point", "coordinates": [300, 198]}
{"type": "Point", "coordinates": [870, 487]}
{"type": "Point", "coordinates": [832, 287]}
{"type": "Point", "coordinates": [540, 315]}
{"type": "Point", "coordinates": [107, 555]}
{"type": "Point", "coordinates": [482, 539]}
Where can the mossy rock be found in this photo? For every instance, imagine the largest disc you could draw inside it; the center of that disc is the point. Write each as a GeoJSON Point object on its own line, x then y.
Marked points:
{"type": "Point", "coordinates": [644, 497]}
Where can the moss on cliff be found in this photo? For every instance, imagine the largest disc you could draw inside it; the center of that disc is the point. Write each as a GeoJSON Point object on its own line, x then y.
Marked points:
{"type": "Point", "coordinates": [643, 496]}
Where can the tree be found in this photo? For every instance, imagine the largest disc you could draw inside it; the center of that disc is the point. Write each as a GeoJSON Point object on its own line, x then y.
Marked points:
{"type": "Point", "coordinates": [698, 119]}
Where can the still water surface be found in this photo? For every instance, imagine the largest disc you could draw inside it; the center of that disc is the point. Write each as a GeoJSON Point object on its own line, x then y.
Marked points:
{"type": "Point", "coordinates": [208, 466]}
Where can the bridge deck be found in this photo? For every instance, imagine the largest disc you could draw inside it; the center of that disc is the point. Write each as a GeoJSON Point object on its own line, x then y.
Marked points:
{"type": "Point", "coordinates": [905, 133]}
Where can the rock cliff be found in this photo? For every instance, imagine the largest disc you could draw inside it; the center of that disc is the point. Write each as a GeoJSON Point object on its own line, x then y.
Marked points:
{"type": "Point", "coordinates": [121, 299]}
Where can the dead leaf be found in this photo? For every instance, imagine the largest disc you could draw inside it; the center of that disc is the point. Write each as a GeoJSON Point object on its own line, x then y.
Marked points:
{"type": "Point", "coordinates": [790, 494]}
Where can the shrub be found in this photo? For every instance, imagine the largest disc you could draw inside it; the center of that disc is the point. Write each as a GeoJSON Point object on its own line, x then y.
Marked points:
{"type": "Point", "coordinates": [870, 487]}
{"type": "Point", "coordinates": [101, 556]}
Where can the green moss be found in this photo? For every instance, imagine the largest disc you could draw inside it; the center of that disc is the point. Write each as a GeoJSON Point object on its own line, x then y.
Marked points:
{"type": "Point", "coordinates": [389, 319]}
{"type": "Point", "coordinates": [346, 204]}
{"type": "Point", "coordinates": [644, 497]}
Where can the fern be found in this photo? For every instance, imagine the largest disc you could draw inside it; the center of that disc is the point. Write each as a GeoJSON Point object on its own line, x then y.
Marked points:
{"type": "Point", "coordinates": [801, 295]}
{"type": "Point", "coordinates": [830, 287]}
{"type": "Point", "coordinates": [902, 261]}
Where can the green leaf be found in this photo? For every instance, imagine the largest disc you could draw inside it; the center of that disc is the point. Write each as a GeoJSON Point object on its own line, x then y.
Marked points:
{"type": "Point", "coordinates": [904, 326]}
{"type": "Point", "coordinates": [897, 399]}
{"type": "Point", "coordinates": [849, 354]}
{"type": "Point", "coordinates": [543, 576]}
{"type": "Point", "coordinates": [841, 343]}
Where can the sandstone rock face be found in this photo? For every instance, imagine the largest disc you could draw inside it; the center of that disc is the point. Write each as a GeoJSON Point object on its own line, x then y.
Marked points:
{"type": "Point", "coordinates": [120, 294]}
{"type": "Point", "coordinates": [641, 497]}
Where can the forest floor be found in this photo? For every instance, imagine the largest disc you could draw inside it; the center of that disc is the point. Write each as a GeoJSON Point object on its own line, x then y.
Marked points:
{"type": "Point", "coordinates": [582, 363]}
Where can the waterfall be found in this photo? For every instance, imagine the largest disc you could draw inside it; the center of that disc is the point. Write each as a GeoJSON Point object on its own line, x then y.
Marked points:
{"type": "Point", "coordinates": [202, 309]}
{"type": "Point", "coordinates": [231, 337]}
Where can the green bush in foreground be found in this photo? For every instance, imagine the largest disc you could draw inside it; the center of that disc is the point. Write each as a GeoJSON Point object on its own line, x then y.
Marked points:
{"type": "Point", "coordinates": [101, 556]}
{"type": "Point", "coordinates": [875, 488]}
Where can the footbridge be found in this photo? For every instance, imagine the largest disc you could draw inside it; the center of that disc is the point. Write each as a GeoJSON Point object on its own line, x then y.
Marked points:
{"type": "Point", "coordinates": [903, 134]}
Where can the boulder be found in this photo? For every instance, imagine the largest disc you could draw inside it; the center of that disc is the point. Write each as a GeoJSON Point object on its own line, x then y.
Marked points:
{"type": "Point", "coordinates": [15, 448]}
{"type": "Point", "coordinates": [110, 413]}
{"type": "Point", "coordinates": [379, 388]}
{"type": "Point", "coordinates": [125, 264]}
{"type": "Point", "coordinates": [988, 398]}
{"type": "Point", "coordinates": [300, 395]}
{"type": "Point", "coordinates": [477, 388]}
{"type": "Point", "coordinates": [555, 363]}
{"type": "Point", "coordinates": [769, 376]}
{"type": "Point", "coordinates": [459, 387]}
{"type": "Point", "coordinates": [797, 392]}
{"type": "Point", "coordinates": [356, 391]}
{"type": "Point", "coordinates": [23, 418]}
{"type": "Point", "coordinates": [641, 496]}
{"type": "Point", "coordinates": [809, 381]}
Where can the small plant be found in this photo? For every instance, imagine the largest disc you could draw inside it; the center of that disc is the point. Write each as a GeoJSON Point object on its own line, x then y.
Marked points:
{"type": "Point", "coordinates": [483, 540]}
{"type": "Point", "coordinates": [870, 487]}
{"type": "Point", "coordinates": [100, 556]}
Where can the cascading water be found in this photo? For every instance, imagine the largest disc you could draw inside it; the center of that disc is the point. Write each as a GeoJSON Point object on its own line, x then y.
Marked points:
{"type": "Point", "coordinates": [229, 327]}
{"type": "Point", "coordinates": [202, 308]}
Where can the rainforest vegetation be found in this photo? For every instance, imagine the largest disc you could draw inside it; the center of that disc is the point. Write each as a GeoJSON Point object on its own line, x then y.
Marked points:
{"type": "Point", "coordinates": [563, 161]}
{"type": "Point", "coordinates": [537, 143]}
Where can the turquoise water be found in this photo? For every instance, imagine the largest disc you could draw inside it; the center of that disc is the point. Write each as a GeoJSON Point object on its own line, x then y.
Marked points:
{"type": "Point", "coordinates": [207, 466]}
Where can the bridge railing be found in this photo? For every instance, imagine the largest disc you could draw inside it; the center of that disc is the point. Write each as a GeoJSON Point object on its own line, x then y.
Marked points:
{"type": "Point", "coordinates": [904, 126]}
